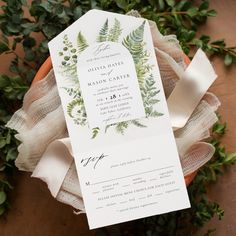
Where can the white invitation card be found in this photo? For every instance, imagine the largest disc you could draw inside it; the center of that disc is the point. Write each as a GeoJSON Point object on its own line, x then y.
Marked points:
{"type": "Point", "coordinates": [117, 118]}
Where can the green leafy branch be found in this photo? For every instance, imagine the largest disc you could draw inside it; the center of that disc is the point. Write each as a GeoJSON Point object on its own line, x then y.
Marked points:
{"type": "Point", "coordinates": [217, 47]}
{"type": "Point", "coordinates": [8, 152]}
{"type": "Point", "coordinates": [181, 18]}
{"type": "Point", "coordinates": [149, 92]}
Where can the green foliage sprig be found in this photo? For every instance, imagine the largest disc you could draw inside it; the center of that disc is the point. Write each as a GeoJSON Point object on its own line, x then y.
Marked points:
{"type": "Point", "coordinates": [49, 18]}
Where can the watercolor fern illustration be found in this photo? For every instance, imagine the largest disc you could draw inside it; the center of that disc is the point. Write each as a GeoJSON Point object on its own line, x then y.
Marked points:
{"type": "Point", "coordinates": [69, 59]}
{"type": "Point", "coordinates": [135, 44]}
{"type": "Point", "coordinates": [114, 32]}
{"type": "Point", "coordinates": [102, 37]}
{"type": "Point", "coordinates": [81, 42]}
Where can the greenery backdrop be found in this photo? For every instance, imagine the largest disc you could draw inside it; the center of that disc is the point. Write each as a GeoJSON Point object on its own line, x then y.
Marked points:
{"type": "Point", "coordinates": [48, 18]}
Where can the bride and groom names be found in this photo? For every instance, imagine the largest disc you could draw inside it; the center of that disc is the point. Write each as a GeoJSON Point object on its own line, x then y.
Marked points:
{"type": "Point", "coordinates": [105, 72]}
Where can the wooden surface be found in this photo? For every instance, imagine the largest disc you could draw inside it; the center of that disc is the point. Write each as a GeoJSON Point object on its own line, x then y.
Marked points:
{"type": "Point", "coordinates": [224, 191]}
{"type": "Point", "coordinates": [35, 212]}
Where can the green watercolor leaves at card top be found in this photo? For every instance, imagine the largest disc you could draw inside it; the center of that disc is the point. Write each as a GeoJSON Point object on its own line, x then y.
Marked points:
{"type": "Point", "coordinates": [135, 44]}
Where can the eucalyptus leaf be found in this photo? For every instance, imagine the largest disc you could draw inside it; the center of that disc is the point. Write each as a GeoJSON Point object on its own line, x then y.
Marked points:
{"type": "Point", "coordinates": [50, 31]}
{"type": "Point", "coordinates": [3, 197]}
{"type": "Point", "coordinates": [3, 48]}
{"type": "Point", "coordinates": [123, 4]}
{"type": "Point", "coordinates": [8, 137]}
{"type": "Point", "coordinates": [161, 4]}
{"type": "Point", "coordinates": [11, 154]}
{"type": "Point", "coordinates": [29, 54]}
{"type": "Point", "coordinates": [228, 59]}
{"type": "Point", "coordinates": [192, 11]}
{"type": "Point", "coordinates": [29, 42]}
{"type": "Point", "coordinates": [2, 142]}
{"type": "Point", "coordinates": [231, 158]}
{"type": "Point", "coordinates": [77, 12]}
{"type": "Point", "coordinates": [212, 13]}
{"type": "Point", "coordinates": [171, 3]}
{"type": "Point", "coordinates": [204, 6]}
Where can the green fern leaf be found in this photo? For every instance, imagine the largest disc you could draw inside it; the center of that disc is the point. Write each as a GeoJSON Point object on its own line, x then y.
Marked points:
{"type": "Point", "coordinates": [156, 114]}
{"type": "Point", "coordinates": [121, 127]}
{"type": "Point", "coordinates": [138, 124]}
{"type": "Point", "coordinates": [71, 106]}
{"type": "Point", "coordinates": [103, 32]}
{"type": "Point", "coordinates": [114, 32]}
{"type": "Point", "coordinates": [68, 58]}
{"type": "Point", "coordinates": [73, 92]}
{"type": "Point", "coordinates": [149, 94]}
{"type": "Point", "coordinates": [134, 42]}
{"type": "Point", "coordinates": [95, 132]}
{"type": "Point", "coordinates": [81, 42]}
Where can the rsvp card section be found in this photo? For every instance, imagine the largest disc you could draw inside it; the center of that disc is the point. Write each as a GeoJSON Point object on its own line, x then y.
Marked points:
{"type": "Point", "coordinates": [109, 84]}
{"type": "Point", "coordinates": [117, 118]}
{"type": "Point", "coordinates": [133, 184]}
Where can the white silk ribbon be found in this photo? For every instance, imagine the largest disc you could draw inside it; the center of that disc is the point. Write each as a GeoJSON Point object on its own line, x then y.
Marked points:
{"type": "Point", "coordinates": [190, 89]}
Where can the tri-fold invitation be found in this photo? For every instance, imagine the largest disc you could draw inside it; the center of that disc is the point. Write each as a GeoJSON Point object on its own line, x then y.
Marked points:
{"type": "Point", "coordinates": [117, 118]}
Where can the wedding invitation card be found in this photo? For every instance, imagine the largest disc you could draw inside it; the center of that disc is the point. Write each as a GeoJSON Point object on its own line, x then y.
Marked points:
{"type": "Point", "coordinates": [117, 118]}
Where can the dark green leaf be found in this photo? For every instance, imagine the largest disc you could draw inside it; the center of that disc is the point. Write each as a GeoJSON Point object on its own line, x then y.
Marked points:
{"type": "Point", "coordinates": [183, 5]}
{"type": "Point", "coordinates": [231, 158]}
{"type": "Point", "coordinates": [161, 4]}
{"type": "Point", "coordinates": [192, 11]}
{"type": "Point", "coordinates": [29, 54]}
{"type": "Point", "coordinates": [123, 4]}
{"type": "Point", "coordinates": [43, 47]}
{"type": "Point", "coordinates": [8, 137]}
{"type": "Point", "coordinates": [2, 142]}
{"type": "Point", "coordinates": [228, 59]}
{"type": "Point", "coordinates": [205, 38]}
{"type": "Point", "coordinates": [16, 18]}
{"type": "Point", "coordinates": [219, 42]}
{"type": "Point", "coordinates": [13, 28]}
{"type": "Point", "coordinates": [4, 39]}
{"type": "Point", "coordinates": [11, 154]}
{"type": "Point", "coordinates": [29, 27]}
{"type": "Point", "coordinates": [204, 6]}
{"type": "Point", "coordinates": [46, 6]}
{"type": "Point", "coordinates": [3, 48]}
{"type": "Point", "coordinates": [211, 13]}
{"type": "Point", "coordinates": [77, 12]}
{"type": "Point", "coordinates": [171, 3]}
{"type": "Point", "coordinates": [29, 42]}
{"type": "Point", "coordinates": [6, 185]}
{"type": "Point", "coordinates": [2, 197]}
{"type": "Point", "coordinates": [219, 128]}
{"type": "Point", "coordinates": [50, 31]}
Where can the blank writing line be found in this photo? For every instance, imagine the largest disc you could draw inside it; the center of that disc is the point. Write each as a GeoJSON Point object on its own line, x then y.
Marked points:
{"type": "Point", "coordinates": [132, 175]}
